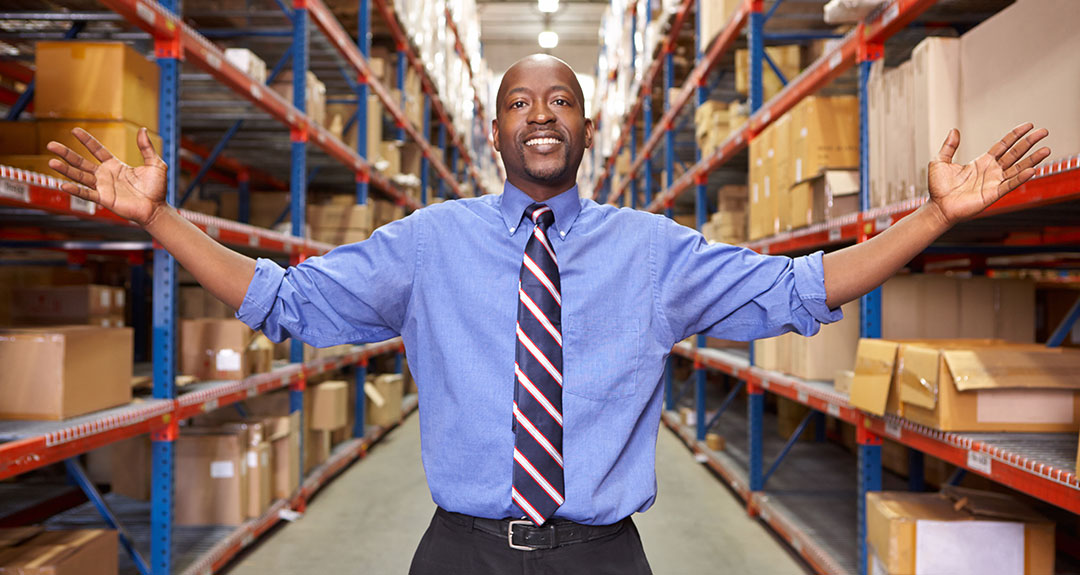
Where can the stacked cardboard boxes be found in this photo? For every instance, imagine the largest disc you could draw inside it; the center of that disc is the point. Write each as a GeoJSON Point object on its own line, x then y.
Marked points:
{"type": "Point", "coordinates": [385, 393]}
{"type": "Point", "coordinates": [34, 551]}
{"type": "Point", "coordinates": [713, 17]}
{"type": "Point", "coordinates": [89, 304]}
{"type": "Point", "coordinates": [315, 93]}
{"type": "Point", "coordinates": [786, 58]}
{"type": "Point", "coordinates": [728, 223]}
{"type": "Point", "coordinates": [712, 125]}
{"type": "Point", "coordinates": [197, 303]}
{"type": "Point", "coordinates": [342, 221]}
{"type": "Point", "coordinates": [213, 349]}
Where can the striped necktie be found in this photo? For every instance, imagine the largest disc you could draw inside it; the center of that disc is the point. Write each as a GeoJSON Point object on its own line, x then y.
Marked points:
{"type": "Point", "coordinates": [538, 467]}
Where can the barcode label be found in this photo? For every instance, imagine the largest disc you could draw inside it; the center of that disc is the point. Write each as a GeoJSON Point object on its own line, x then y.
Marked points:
{"type": "Point", "coordinates": [212, 60]}
{"type": "Point", "coordinates": [766, 117]}
{"type": "Point", "coordinates": [210, 405]}
{"type": "Point", "coordinates": [833, 410]}
{"type": "Point", "coordinates": [796, 544]}
{"type": "Point", "coordinates": [256, 92]}
{"type": "Point", "coordinates": [212, 231]}
{"type": "Point", "coordinates": [803, 397]}
{"type": "Point", "coordinates": [15, 190]}
{"type": "Point", "coordinates": [253, 241]}
{"type": "Point", "coordinates": [252, 392]}
{"type": "Point", "coordinates": [978, 461]}
{"type": "Point", "coordinates": [84, 206]}
{"type": "Point", "coordinates": [881, 224]}
{"type": "Point", "coordinates": [834, 234]}
{"type": "Point", "coordinates": [146, 13]}
{"type": "Point", "coordinates": [891, 14]}
{"type": "Point", "coordinates": [893, 429]}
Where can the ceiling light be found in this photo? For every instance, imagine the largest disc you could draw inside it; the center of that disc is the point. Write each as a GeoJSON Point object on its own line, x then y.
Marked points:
{"type": "Point", "coordinates": [548, 6]}
{"type": "Point", "coordinates": [548, 39]}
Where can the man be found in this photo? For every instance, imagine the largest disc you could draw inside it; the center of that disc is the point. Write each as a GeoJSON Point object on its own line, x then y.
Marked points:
{"type": "Point", "coordinates": [539, 447]}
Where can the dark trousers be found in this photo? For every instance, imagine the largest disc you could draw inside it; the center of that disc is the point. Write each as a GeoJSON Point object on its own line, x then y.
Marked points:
{"type": "Point", "coordinates": [450, 546]}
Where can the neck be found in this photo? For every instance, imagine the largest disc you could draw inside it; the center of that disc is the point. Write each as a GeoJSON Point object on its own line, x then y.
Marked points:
{"type": "Point", "coordinates": [540, 193]}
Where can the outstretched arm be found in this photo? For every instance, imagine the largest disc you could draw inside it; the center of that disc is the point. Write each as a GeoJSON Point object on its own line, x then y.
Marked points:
{"type": "Point", "coordinates": [957, 193]}
{"type": "Point", "coordinates": [138, 194]}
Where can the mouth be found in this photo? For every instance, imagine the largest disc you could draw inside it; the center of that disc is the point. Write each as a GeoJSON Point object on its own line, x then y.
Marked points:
{"type": "Point", "coordinates": [543, 144]}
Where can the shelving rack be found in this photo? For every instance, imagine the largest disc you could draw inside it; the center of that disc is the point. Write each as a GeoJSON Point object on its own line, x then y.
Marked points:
{"type": "Point", "coordinates": [1042, 467]}
{"type": "Point", "coordinates": [29, 446]}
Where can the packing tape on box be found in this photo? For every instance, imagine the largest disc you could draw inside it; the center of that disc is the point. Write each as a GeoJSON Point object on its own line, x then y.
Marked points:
{"type": "Point", "coordinates": [374, 394]}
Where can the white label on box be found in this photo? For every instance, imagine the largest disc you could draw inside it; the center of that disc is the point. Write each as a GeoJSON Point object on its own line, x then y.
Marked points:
{"type": "Point", "coordinates": [798, 166]}
{"type": "Point", "coordinates": [969, 547]}
{"type": "Point", "coordinates": [15, 190]}
{"type": "Point", "coordinates": [84, 206]}
{"type": "Point", "coordinates": [222, 469]}
{"type": "Point", "coordinates": [701, 458]}
{"type": "Point", "coordinates": [893, 429]}
{"type": "Point", "coordinates": [753, 192]}
{"type": "Point", "coordinates": [228, 360]}
{"type": "Point", "coordinates": [1021, 406]}
{"type": "Point", "coordinates": [765, 120]}
{"type": "Point", "coordinates": [833, 410]}
{"type": "Point", "coordinates": [256, 92]}
{"type": "Point", "coordinates": [881, 224]}
{"type": "Point", "coordinates": [978, 461]}
{"type": "Point", "coordinates": [213, 60]}
{"type": "Point", "coordinates": [120, 298]}
{"type": "Point", "coordinates": [834, 234]}
{"type": "Point", "coordinates": [803, 397]}
{"type": "Point", "coordinates": [253, 459]}
{"type": "Point", "coordinates": [253, 241]}
{"type": "Point", "coordinates": [210, 405]}
{"type": "Point", "coordinates": [835, 59]}
{"type": "Point", "coordinates": [105, 299]}
{"type": "Point", "coordinates": [146, 13]}
{"type": "Point", "coordinates": [252, 392]}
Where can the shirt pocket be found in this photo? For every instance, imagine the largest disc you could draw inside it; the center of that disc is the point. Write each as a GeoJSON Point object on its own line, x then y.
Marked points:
{"type": "Point", "coordinates": [602, 356]}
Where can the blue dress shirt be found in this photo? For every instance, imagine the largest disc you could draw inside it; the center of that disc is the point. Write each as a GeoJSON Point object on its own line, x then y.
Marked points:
{"type": "Point", "coordinates": [445, 279]}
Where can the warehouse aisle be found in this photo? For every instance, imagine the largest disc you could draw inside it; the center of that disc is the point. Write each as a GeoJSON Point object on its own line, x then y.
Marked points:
{"type": "Point", "coordinates": [370, 519]}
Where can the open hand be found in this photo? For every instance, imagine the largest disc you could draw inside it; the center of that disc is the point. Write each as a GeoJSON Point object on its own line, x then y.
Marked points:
{"type": "Point", "coordinates": [135, 193]}
{"type": "Point", "coordinates": [960, 192]}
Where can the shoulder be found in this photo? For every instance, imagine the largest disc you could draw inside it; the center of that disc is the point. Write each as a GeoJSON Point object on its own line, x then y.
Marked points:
{"type": "Point", "coordinates": [593, 213]}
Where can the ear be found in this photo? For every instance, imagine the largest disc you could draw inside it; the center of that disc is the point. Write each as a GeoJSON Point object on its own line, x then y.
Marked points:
{"type": "Point", "coordinates": [495, 135]}
{"type": "Point", "coordinates": [588, 132]}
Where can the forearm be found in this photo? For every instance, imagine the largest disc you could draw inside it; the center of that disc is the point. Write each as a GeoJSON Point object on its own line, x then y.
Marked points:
{"type": "Point", "coordinates": [856, 270]}
{"type": "Point", "coordinates": [224, 272]}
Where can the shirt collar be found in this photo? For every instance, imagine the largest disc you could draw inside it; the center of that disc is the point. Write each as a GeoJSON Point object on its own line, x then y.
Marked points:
{"type": "Point", "coordinates": [566, 207]}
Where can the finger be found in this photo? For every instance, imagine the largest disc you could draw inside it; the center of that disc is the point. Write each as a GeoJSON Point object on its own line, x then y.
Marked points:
{"type": "Point", "coordinates": [74, 174]}
{"type": "Point", "coordinates": [72, 157]}
{"type": "Point", "coordinates": [952, 141]}
{"type": "Point", "coordinates": [92, 145]}
{"type": "Point", "coordinates": [1015, 181]}
{"type": "Point", "coordinates": [999, 149]}
{"type": "Point", "coordinates": [1022, 147]}
{"type": "Point", "coordinates": [1029, 162]}
{"type": "Point", "coordinates": [80, 192]}
{"type": "Point", "coordinates": [149, 155]}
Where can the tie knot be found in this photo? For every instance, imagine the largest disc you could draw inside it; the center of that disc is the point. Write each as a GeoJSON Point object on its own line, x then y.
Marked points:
{"type": "Point", "coordinates": [541, 215]}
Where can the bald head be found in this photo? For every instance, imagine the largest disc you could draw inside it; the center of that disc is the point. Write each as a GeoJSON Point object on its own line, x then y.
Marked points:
{"type": "Point", "coordinates": [544, 65]}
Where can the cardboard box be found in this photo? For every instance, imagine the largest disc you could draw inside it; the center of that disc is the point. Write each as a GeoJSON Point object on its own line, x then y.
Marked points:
{"type": "Point", "coordinates": [962, 531]}
{"type": "Point", "coordinates": [842, 380]}
{"type": "Point", "coordinates": [787, 58]}
{"type": "Point", "coordinates": [213, 349]}
{"type": "Point", "coordinates": [789, 414]}
{"type": "Point", "coordinates": [341, 217]}
{"type": "Point", "coordinates": [971, 385]}
{"type": "Point", "coordinates": [60, 372]}
{"type": "Point", "coordinates": [935, 100]}
{"type": "Point", "coordinates": [95, 80]}
{"type": "Point", "coordinates": [132, 467]}
{"type": "Point", "coordinates": [260, 354]}
{"type": "Point", "coordinates": [247, 62]}
{"type": "Point", "coordinates": [195, 302]}
{"type": "Point", "coordinates": [1043, 72]}
{"type": "Point", "coordinates": [260, 481]}
{"type": "Point", "coordinates": [72, 552]}
{"type": "Point", "coordinates": [385, 393]}
{"type": "Point", "coordinates": [212, 490]}
{"type": "Point", "coordinates": [825, 135]}
{"type": "Point", "coordinates": [18, 138]}
{"type": "Point", "coordinates": [316, 449]}
{"type": "Point", "coordinates": [63, 302]}
{"type": "Point", "coordinates": [713, 17]}
{"type": "Point", "coordinates": [875, 91]}
{"type": "Point", "coordinates": [118, 136]}
{"type": "Point", "coordinates": [329, 406]}
{"type": "Point", "coordinates": [284, 436]}
{"type": "Point", "coordinates": [266, 207]}
{"type": "Point", "coordinates": [832, 349]}
{"type": "Point", "coordinates": [945, 307]}
{"type": "Point", "coordinates": [898, 111]}
{"type": "Point", "coordinates": [830, 195]}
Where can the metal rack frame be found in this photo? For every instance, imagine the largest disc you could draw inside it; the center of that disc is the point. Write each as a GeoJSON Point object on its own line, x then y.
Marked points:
{"type": "Point", "coordinates": [1000, 457]}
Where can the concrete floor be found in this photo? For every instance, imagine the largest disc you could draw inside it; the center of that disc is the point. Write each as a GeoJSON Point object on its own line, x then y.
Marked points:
{"type": "Point", "coordinates": [370, 519]}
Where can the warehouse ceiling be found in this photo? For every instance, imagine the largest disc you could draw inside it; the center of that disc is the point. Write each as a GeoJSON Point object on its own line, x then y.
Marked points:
{"type": "Point", "coordinates": [509, 31]}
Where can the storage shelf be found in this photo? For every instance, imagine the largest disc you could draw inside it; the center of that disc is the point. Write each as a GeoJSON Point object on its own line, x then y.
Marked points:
{"type": "Point", "coordinates": [25, 189]}
{"type": "Point", "coordinates": [1040, 465]}
{"type": "Point", "coordinates": [33, 444]}
{"type": "Point", "coordinates": [204, 550]}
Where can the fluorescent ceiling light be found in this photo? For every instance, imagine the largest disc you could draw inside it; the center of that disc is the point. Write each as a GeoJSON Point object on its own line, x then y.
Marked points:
{"type": "Point", "coordinates": [548, 39]}
{"type": "Point", "coordinates": [548, 6]}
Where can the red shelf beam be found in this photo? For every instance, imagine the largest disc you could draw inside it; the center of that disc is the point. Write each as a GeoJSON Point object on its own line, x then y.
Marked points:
{"type": "Point", "coordinates": [174, 37]}
{"type": "Point", "coordinates": [326, 22]}
{"type": "Point", "coordinates": [234, 166]}
{"type": "Point", "coordinates": [480, 115]}
{"type": "Point", "coordinates": [1057, 486]}
{"type": "Point", "coordinates": [24, 455]}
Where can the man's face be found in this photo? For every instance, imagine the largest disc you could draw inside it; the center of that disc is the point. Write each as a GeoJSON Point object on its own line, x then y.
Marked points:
{"type": "Point", "coordinates": [540, 127]}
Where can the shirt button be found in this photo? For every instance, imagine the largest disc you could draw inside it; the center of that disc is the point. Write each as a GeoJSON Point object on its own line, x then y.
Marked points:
{"type": "Point", "coordinates": [563, 234]}
{"type": "Point", "coordinates": [512, 230]}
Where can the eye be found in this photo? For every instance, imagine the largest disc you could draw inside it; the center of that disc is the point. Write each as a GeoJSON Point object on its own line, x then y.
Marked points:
{"type": "Point", "coordinates": [562, 102]}
{"type": "Point", "coordinates": [517, 105]}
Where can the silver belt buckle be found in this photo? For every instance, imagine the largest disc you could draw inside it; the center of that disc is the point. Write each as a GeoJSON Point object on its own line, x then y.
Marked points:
{"type": "Point", "coordinates": [510, 535]}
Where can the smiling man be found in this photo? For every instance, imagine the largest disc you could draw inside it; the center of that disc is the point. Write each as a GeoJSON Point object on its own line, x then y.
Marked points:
{"type": "Point", "coordinates": [537, 323]}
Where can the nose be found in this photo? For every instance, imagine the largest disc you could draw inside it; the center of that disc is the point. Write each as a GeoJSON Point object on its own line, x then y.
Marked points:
{"type": "Point", "coordinates": [540, 113]}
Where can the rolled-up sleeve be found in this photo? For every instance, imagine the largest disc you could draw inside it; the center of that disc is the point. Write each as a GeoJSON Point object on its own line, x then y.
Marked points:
{"type": "Point", "coordinates": [734, 293]}
{"type": "Point", "coordinates": [356, 293]}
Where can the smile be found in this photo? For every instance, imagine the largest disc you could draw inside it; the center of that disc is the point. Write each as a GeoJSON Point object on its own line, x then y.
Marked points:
{"type": "Point", "coordinates": [542, 141]}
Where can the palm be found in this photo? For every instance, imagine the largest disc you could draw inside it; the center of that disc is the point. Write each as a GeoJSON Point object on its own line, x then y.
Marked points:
{"type": "Point", "coordinates": [135, 193]}
{"type": "Point", "coordinates": [961, 192]}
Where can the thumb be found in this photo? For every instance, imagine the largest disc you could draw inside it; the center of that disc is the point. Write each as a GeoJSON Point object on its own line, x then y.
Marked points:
{"type": "Point", "coordinates": [948, 149]}
{"type": "Point", "coordinates": [146, 147]}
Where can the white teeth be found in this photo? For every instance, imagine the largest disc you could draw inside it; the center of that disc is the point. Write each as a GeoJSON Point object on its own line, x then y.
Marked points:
{"type": "Point", "coordinates": [540, 141]}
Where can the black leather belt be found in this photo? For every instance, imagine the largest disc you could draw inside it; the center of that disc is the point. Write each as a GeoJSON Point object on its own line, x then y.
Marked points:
{"type": "Point", "coordinates": [523, 535]}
